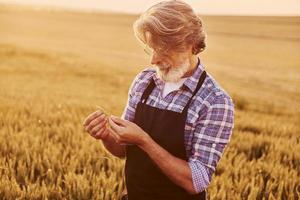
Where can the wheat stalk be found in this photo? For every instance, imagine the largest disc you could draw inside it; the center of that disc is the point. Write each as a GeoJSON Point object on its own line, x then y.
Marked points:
{"type": "Point", "coordinates": [106, 113]}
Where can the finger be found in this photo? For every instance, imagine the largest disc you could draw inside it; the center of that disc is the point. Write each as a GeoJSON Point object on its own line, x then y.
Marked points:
{"type": "Point", "coordinates": [97, 120]}
{"type": "Point", "coordinates": [115, 127]}
{"type": "Point", "coordinates": [123, 143]}
{"type": "Point", "coordinates": [89, 127]}
{"type": "Point", "coordinates": [96, 129]}
{"type": "Point", "coordinates": [91, 117]}
{"type": "Point", "coordinates": [119, 121]}
{"type": "Point", "coordinates": [114, 135]}
{"type": "Point", "coordinates": [102, 134]}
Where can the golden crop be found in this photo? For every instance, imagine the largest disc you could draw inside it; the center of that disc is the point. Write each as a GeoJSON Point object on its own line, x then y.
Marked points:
{"type": "Point", "coordinates": [107, 115]}
{"type": "Point", "coordinates": [55, 66]}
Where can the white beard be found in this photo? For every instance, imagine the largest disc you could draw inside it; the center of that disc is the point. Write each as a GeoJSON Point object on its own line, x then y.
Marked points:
{"type": "Point", "coordinates": [173, 73]}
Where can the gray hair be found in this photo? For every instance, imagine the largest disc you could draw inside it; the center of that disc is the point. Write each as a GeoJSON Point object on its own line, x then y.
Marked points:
{"type": "Point", "coordinates": [172, 25]}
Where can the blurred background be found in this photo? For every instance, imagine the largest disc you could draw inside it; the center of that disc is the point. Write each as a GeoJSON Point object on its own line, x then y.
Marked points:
{"type": "Point", "coordinates": [60, 59]}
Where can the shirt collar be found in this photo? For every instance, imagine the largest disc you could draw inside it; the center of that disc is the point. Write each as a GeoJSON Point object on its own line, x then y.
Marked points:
{"type": "Point", "coordinates": [190, 83]}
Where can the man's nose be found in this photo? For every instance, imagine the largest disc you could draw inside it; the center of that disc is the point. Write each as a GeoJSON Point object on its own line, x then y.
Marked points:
{"type": "Point", "coordinates": [155, 59]}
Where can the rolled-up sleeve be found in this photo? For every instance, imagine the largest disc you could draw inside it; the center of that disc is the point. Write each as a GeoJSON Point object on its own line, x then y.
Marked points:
{"type": "Point", "coordinates": [212, 133]}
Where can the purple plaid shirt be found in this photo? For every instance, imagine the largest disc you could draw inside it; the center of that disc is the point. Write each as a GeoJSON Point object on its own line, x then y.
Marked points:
{"type": "Point", "coordinates": [209, 123]}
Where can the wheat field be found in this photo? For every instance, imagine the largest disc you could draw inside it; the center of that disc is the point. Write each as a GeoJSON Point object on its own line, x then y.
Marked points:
{"type": "Point", "coordinates": [57, 66]}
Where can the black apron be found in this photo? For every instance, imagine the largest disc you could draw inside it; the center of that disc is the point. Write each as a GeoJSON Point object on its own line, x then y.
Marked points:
{"type": "Point", "coordinates": [144, 180]}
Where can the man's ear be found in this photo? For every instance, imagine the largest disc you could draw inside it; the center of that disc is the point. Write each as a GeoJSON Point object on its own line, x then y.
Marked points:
{"type": "Point", "coordinates": [194, 49]}
{"type": "Point", "coordinates": [191, 49]}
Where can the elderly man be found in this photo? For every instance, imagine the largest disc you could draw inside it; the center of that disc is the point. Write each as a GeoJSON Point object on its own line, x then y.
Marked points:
{"type": "Point", "coordinates": [178, 120]}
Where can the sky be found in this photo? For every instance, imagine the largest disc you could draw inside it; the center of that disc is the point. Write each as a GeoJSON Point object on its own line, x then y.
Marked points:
{"type": "Point", "coordinates": [204, 7]}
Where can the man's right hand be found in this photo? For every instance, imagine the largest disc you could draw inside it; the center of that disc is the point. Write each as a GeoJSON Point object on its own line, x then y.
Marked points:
{"type": "Point", "coordinates": [95, 125]}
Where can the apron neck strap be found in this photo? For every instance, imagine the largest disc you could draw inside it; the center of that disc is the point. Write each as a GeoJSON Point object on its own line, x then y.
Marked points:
{"type": "Point", "coordinates": [200, 83]}
{"type": "Point", "coordinates": [148, 91]}
{"type": "Point", "coordinates": [151, 86]}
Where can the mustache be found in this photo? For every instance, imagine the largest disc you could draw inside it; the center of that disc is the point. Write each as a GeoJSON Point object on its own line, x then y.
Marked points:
{"type": "Point", "coordinates": [163, 66]}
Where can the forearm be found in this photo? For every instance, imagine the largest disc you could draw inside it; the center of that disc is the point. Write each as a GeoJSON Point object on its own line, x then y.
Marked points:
{"type": "Point", "coordinates": [175, 168]}
{"type": "Point", "coordinates": [113, 147]}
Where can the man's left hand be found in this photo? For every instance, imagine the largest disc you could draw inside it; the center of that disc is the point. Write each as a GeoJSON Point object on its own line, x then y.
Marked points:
{"type": "Point", "coordinates": [126, 132]}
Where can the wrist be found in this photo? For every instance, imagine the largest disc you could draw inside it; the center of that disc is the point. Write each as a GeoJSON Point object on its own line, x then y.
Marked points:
{"type": "Point", "coordinates": [108, 140]}
{"type": "Point", "coordinates": [145, 140]}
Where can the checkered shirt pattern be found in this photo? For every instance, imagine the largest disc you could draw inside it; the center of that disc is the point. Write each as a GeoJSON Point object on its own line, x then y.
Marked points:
{"type": "Point", "coordinates": [209, 123]}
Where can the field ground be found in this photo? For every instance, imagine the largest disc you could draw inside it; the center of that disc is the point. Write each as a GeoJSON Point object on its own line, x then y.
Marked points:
{"type": "Point", "coordinates": [56, 66]}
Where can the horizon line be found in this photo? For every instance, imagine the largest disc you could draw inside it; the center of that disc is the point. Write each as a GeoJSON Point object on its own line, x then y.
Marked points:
{"type": "Point", "coordinates": [107, 11]}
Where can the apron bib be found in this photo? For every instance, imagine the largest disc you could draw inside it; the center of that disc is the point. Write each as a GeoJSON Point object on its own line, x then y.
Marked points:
{"type": "Point", "coordinates": [144, 180]}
